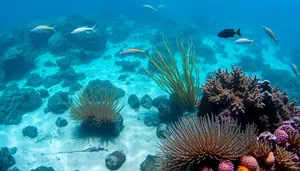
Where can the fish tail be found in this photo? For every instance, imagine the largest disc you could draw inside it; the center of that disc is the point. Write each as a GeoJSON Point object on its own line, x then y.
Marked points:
{"type": "Point", "coordinates": [147, 52]}
{"type": "Point", "coordinates": [93, 28]}
{"type": "Point", "coordinates": [238, 32]}
{"type": "Point", "coordinates": [53, 28]}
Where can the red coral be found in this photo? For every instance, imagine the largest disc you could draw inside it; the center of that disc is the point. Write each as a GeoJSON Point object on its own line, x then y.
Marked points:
{"type": "Point", "coordinates": [246, 99]}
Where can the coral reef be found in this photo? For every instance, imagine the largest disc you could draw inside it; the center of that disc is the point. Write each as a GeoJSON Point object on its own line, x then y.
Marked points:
{"type": "Point", "coordinates": [245, 99]}
{"type": "Point", "coordinates": [195, 140]}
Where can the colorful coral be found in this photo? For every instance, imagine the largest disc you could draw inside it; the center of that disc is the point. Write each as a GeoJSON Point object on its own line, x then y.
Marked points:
{"type": "Point", "coordinates": [249, 162]}
{"type": "Point", "coordinates": [197, 139]}
{"type": "Point", "coordinates": [225, 165]}
{"type": "Point", "coordinates": [247, 100]}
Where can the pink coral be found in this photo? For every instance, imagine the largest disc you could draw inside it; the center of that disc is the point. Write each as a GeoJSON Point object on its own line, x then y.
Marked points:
{"type": "Point", "coordinates": [281, 137]}
{"type": "Point", "coordinates": [249, 162]}
{"type": "Point", "coordinates": [226, 165]}
{"type": "Point", "coordinates": [206, 169]}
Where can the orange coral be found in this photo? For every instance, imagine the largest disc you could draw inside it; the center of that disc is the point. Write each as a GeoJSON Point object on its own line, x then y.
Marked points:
{"type": "Point", "coordinates": [242, 168]}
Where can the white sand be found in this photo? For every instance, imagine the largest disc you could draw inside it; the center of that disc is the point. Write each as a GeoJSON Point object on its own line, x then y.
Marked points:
{"type": "Point", "coordinates": [136, 140]}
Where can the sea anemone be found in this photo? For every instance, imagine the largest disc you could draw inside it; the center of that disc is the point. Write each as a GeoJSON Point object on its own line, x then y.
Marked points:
{"type": "Point", "coordinates": [284, 160]}
{"type": "Point", "coordinates": [294, 141]}
{"type": "Point", "coordinates": [96, 108]}
{"type": "Point", "coordinates": [249, 162]}
{"type": "Point", "coordinates": [194, 139]}
{"type": "Point", "coordinates": [270, 160]}
{"type": "Point", "coordinates": [262, 149]}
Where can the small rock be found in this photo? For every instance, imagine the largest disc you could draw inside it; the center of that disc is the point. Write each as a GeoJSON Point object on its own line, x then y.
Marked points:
{"type": "Point", "coordinates": [13, 150]}
{"type": "Point", "coordinates": [146, 101]}
{"type": "Point", "coordinates": [61, 122]}
{"type": "Point", "coordinates": [152, 120]}
{"type": "Point", "coordinates": [149, 164]}
{"type": "Point", "coordinates": [34, 80]}
{"type": "Point", "coordinates": [115, 160]}
{"type": "Point", "coordinates": [58, 103]}
{"type": "Point", "coordinates": [30, 131]}
{"type": "Point", "coordinates": [6, 159]}
{"type": "Point", "coordinates": [44, 93]}
{"type": "Point", "coordinates": [156, 102]}
{"type": "Point", "coordinates": [133, 101]}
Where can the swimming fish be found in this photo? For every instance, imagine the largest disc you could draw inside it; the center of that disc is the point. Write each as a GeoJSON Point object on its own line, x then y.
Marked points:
{"type": "Point", "coordinates": [270, 33]}
{"type": "Point", "coordinates": [43, 28]}
{"type": "Point", "coordinates": [132, 51]}
{"type": "Point", "coordinates": [161, 6]}
{"type": "Point", "coordinates": [226, 33]}
{"type": "Point", "coordinates": [244, 41]}
{"type": "Point", "coordinates": [84, 29]}
{"type": "Point", "coordinates": [150, 7]}
{"type": "Point", "coordinates": [295, 69]}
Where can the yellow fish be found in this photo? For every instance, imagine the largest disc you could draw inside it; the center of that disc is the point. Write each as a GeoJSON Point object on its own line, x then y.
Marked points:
{"type": "Point", "coordinates": [43, 28]}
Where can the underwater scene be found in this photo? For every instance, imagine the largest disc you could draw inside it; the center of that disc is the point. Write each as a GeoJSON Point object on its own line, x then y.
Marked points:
{"type": "Point", "coordinates": [154, 85]}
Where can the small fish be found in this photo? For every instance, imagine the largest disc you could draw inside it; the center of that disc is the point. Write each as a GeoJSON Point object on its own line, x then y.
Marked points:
{"type": "Point", "coordinates": [84, 29]}
{"type": "Point", "coordinates": [243, 41]}
{"type": "Point", "coordinates": [295, 69]}
{"type": "Point", "coordinates": [161, 6]}
{"type": "Point", "coordinates": [132, 51]}
{"type": "Point", "coordinates": [226, 33]}
{"type": "Point", "coordinates": [270, 33]}
{"type": "Point", "coordinates": [43, 28]}
{"type": "Point", "coordinates": [150, 7]}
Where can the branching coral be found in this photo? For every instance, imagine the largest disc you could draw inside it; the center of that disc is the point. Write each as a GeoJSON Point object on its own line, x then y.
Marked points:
{"type": "Point", "coordinates": [183, 87]}
{"type": "Point", "coordinates": [194, 139]}
{"type": "Point", "coordinates": [96, 107]}
{"type": "Point", "coordinates": [246, 99]}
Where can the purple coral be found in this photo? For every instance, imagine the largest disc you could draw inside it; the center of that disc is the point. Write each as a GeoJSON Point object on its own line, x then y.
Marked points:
{"type": "Point", "coordinates": [246, 99]}
{"type": "Point", "coordinates": [281, 137]}
{"type": "Point", "coordinates": [225, 165]}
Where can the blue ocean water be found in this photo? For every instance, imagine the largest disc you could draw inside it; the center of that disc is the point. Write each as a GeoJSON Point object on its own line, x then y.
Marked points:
{"type": "Point", "coordinates": [53, 65]}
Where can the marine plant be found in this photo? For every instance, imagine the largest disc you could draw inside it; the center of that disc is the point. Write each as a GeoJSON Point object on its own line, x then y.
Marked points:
{"type": "Point", "coordinates": [183, 87]}
{"type": "Point", "coordinates": [192, 140]}
{"type": "Point", "coordinates": [96, 108]}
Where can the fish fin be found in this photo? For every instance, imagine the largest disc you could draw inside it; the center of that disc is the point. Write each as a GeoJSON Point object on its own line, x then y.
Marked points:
{"type": "Point", "coordinates": [147, 52]}
{"type": "Point", "coordinates": [93, 28]}
{"type": "Point", "coordinates": [238, 32]}
{"type": "Point", "coordinates": [87, 32]}
{"type": "Point", "coordinates": [53, 28]}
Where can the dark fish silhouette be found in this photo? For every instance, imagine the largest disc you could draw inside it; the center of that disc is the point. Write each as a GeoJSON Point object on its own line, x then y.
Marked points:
{"type": "Point", "coordinates": [229, 33]}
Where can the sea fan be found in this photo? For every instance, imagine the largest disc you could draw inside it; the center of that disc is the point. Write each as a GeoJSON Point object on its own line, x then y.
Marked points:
{"type": "Point", "coordinates": [194, 139]}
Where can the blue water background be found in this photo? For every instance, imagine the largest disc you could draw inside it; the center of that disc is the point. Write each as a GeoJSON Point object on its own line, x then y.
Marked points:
{"type": "Point", "coordinates": [212, 15]}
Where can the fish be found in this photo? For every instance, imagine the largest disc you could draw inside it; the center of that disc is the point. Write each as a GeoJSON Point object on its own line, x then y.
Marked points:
{"type": "Point", "coordinates": [270, 33]}
{"type": "Point", "coordinates": [244, 41]}
{"type": "Point", "coordinates": [85, 29]}
{"type": "Point", "coordinates": [161, 6]}
{"type": "Point", "coordinates": [226, 33]}
{"type": "Point", "coordinates": [150, 7]}
{"type": "Point", "coordinates": [295, 69]}
{"type": "Point", "coordinates": [132, 51]}
{"type": "Point", "coordinates": [43, 28]}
